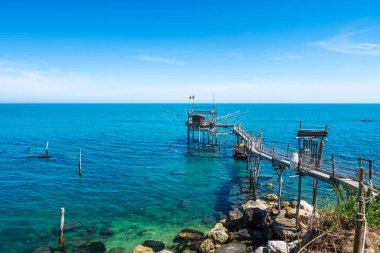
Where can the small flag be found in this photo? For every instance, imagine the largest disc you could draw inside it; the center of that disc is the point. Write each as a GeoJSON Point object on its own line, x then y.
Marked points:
{"type": "Point", "coordinates": [191, 97]}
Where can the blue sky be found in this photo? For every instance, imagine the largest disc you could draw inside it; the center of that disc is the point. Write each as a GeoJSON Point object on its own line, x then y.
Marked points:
{"type": "Point", "coordinates": [164, 51]}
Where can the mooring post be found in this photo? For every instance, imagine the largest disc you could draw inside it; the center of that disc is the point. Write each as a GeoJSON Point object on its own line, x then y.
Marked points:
{"type": "Point", "coordinates": [61, 225]}
{"type": "Point", "coordinates": [80, 163]}
{"type": "Point", "coordinates": [359, 216]}
{"type": "Point", "coordinates": [315, 196]}
{"type": "Point", "coordinates": [203, 137]}
{"type": "Point", "coordinates": [250, 175]}
{"type": "Point", "coordinates": [47, 149]}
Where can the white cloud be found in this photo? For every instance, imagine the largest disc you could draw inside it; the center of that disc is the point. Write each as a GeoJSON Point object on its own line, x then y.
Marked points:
{"type": "Point", "coordinates": [347, 43]}
{"type": "Point", "coordinates": [160, 59]}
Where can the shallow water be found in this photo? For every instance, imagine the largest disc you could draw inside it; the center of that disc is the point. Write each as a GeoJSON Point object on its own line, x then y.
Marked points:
{"type": "Point", "coordinates": [140, 178]}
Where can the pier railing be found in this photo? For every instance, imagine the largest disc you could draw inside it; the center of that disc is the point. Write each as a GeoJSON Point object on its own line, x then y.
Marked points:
{"type": "Point", "coordinates": [339, 170]}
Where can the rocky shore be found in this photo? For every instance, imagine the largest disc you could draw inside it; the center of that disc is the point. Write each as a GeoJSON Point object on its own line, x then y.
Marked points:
{"type": "Point", "coordinates": [256, 226]}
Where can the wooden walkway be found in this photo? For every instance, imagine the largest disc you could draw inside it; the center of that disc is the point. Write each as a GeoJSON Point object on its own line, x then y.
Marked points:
{"type": "Point", "coordinates": [281, 158]}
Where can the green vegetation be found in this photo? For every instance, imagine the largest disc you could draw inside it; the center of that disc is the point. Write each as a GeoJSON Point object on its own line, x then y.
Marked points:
{"type": "Point", "coordinates": [346, 211]}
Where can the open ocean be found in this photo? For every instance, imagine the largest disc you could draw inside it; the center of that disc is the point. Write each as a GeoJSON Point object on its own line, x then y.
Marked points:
{"type": "Point", "coordinates": [140, 178]}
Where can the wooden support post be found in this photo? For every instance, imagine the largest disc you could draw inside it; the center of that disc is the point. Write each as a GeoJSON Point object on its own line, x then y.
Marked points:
{"type": "Point", "coordinates": [199, 137]}
{"type": "Point", "coordinates": [188, 135]}
{"type": "Point", "coordinates": [80, 163]}
{"type": "Point", "coordinates": [61, 239]}
{"type": "Point", "coordinates": [203, 137]}
{"type": "Point", "coordinates": [315, 196]}
{"type": "Point", "coordinates": [279, 173]}
{"type": "Point", "coordinates": [250, 175]}
{"type": "Point", "coordinates": [333, 169]}
{"type": "Point", "coordinates": [298, 225]}
{"type": "Point", "coordinates": [370, 177]}
{"type": "Point", "coordinates": [256, 178]}
{"type": "Point", "coordinates": [193, 133]}
{"type": "Point", "coordinates": [359, 216]}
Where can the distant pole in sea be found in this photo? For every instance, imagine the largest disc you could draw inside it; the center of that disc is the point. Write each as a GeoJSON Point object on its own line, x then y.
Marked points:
{"type": "Point", "coordinates": [61, 225]}
{"type": "Point", "coordinates": [47, 149]}
{"type": "Point", "coordinates": [80, 163]}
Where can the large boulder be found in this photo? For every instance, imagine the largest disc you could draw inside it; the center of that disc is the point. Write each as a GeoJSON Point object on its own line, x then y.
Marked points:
{"type": "Point", "coordinates": [242, 236]}
{"type": "Point", "coordinates": [306, 206]}
{"type": "Point", "coordinates": [261, 250]}
{"type": "Point", "coordinates": [271, 197]}
{"type": "Point", "coordinates": [268, 232]}
{"type": "Point", "coordinates": [284, 228]}
{"type": "Point", "coordinates": [257, 236]}
{"type": "Point", "coordinates": [277, 247]}
{"type": "Point", "coordinates": [155, 245]}
{"type": "Point", "coordinates": [218, 234]}
{"type": "Point", "coordinates": [142, 249]}
{"type": "Point", "coordinates": [206, 246]}
{"type": "Point", "coordinates": [255, 204]}
{"type": "Point", "coordinates": [255, 214]}
{"type": "Point", "coordinates": [234, 219]}
{"type": "Point", "coordinates": [232, 248]}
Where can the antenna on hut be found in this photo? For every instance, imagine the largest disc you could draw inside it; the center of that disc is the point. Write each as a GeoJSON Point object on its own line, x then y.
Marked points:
{"type": "Point", "coordinates": [80, 163]}
{"type": "Point", "coordinates": [47, 149]}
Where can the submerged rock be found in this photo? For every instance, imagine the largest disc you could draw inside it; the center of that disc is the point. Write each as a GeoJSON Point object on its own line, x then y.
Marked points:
{"type": "Point", "coordinates": [142, 249]}
{"type": "Point", "coordinates": [91, 229]}
{"type": "Point", "coordinates": [117, 250]}
{"type": "Point", "coordinates": [155, 245]}
{"type": "Point", "coordinates": [92, 247]}
{"type": "Point", "coordinates": [189, 235]}
{"type": "Point", "coordinates": [106, 231]}
{"type": "Point", "coordinates": [70, 226]}
{"type": "Point", "coordinates": [145, 232]}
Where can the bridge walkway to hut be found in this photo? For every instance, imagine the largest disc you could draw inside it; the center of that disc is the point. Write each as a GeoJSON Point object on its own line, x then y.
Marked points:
{"type": "Point", "coordinates": [307, 165]}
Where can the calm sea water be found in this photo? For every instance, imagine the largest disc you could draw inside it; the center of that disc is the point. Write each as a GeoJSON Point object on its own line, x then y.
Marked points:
{"type": "Point", "coordinates": [140, 178]}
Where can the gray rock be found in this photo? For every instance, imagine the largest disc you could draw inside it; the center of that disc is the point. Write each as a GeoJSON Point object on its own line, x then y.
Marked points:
{"type": "Point", "coordinates": [155, 245]}
{"type": "Point", "coordinates": [234, 219]}
{"type": "Point", "coordinates": [258, 236]}
{"type": "Point", "coordinates": [255, 218]}
{"type": "Point", "coordinates": [268, 232]}
{"type": "Point", "coordinates": [218, 234]}
{"type": "Point", "coordinates": [106, 231]}
{"type": "Point", "coordinates": [261, 250]}
{"type": "Point", "coordinates": [232, 248]}
{"type": "Point", "coordinates": [206, 246]}
{"type": "Point", "coordinates": [277, 247]}
{"type": "Point", "coordinates": [92, 247]}
{"type": "Point", "coordinates": [284, 228]}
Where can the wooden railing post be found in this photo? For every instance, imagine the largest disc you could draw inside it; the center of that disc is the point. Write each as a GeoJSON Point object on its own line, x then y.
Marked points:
{"type": "Point", "coordinates": [359, 216]}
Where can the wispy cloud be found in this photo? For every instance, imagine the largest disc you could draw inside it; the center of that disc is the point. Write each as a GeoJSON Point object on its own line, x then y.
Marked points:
{"type": "Point", "coordinates": [159, 59]}
{"type": "Point", "coordinates": [347, 43]}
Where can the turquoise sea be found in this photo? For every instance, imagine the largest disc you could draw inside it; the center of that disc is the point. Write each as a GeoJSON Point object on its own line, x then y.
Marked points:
{"type": "Point", "coordinates": [141, 180]}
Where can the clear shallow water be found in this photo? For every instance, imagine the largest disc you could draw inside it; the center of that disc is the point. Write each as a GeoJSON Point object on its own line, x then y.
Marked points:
{"type": "Point", "coordinates": [132, 182]}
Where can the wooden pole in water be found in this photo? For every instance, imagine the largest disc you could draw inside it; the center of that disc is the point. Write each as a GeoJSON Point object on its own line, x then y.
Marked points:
{"type": "Point", "coordinates": [80, 163]}
{"type": "Point", "coordinates": [61, 225]}
{"type": "Point", "coordinates": [188, 135]}
{"type": "Point", "coordinates": [333, 169]}
{"type": "Point", "coordinates": [199, 136]}
{"type": "Point", "coordinates": [47, 149]}
{"type": "Point", "coordinates": [359, 215]}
